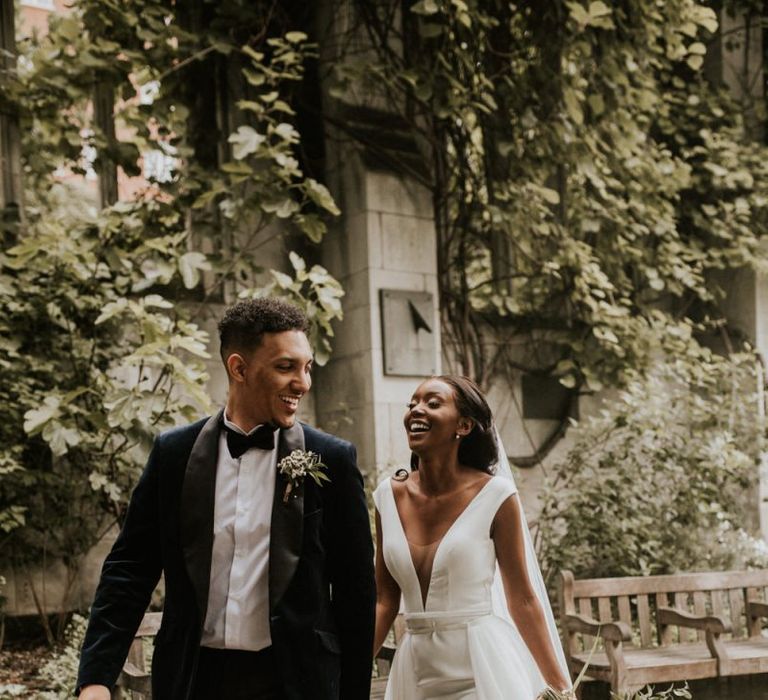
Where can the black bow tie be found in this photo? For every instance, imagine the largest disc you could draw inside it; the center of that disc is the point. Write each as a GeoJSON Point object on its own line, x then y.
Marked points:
{"type": "Point", "coordinates": [263, 438]}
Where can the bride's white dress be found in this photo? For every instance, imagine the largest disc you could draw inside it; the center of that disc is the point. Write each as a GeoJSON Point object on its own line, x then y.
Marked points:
{"type": "Point", "coordinates": [455, 647]}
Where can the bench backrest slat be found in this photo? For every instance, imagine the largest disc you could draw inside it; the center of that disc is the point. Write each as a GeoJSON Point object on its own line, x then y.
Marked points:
{"type": "Point", "coordinates": [632, 585]}
{"type": "Point", "coordinates": [604, 609]}
{"type": "Point", "coordinates": [644, 617]}
{"type": "Point", "coordinates": [585, 609]}
{"type": "Point", "coordinates": [736, 600]}
{"type": "Point", "coordinates": [681, 603]}
{"type": "Point", "coordinates": [625, 611]}
{"type": "Point", "coordinates": [635, 600]}
{"type": "Point", "coordinates": [756, 624]}
{"type": "Point", "coordinates": [717, 603]}
{"type": "Point", "coordinates": [700, 609]}
{"type": "Point", "coordinates": [665, 632]}
{"type": "Point", "coordinates": [150, 625]}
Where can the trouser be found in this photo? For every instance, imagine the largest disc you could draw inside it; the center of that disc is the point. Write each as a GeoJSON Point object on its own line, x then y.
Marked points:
{"type": "Point", "coordinates": [237, 675]}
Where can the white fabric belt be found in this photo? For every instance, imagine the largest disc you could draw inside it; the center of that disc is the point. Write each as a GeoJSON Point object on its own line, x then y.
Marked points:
{"type": "Point", "coordinates": [426, 622]}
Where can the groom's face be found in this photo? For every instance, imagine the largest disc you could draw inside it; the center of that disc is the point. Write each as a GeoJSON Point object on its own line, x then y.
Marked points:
{"type": "Point", "coordinates": [277, 375]}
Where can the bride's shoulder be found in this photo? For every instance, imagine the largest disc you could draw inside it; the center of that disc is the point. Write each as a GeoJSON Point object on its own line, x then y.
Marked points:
{"type": "Point", "coordinates": [389, 483]}
{"type": "Point", "coordinates": [501, 485]}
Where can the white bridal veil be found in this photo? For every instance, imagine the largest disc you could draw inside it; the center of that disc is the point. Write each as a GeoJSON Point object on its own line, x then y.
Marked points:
{"type": "Point", "coordinates": [534, 572]}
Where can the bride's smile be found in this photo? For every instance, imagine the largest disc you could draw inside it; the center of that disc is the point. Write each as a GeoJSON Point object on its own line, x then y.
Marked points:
{"type": "Point", "coordinates": [432, 419]}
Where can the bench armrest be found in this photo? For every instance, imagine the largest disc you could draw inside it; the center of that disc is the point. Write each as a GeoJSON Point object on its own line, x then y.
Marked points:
{"type": "Point", "coordinates": [612, 631]}
{"type": "Point", "coordinates": [756, 608]}
{"type": "Point", "coordinates": [133, 678]}
{"type": "Point", "coordinates": [386, 653]}
{"type": "Point", "coordinates": [708, 623]}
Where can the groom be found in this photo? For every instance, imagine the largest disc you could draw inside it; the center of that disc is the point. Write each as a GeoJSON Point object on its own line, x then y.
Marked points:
{"type": "Point", "coordinates": [269, 590]}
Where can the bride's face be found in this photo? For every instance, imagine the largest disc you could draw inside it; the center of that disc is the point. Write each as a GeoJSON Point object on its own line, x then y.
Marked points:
{"type": "Point", "coordinates": [432, 418]}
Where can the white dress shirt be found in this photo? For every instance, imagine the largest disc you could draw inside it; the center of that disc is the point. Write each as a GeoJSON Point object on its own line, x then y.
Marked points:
{"type": "Point", "coordinates": [238, 597]}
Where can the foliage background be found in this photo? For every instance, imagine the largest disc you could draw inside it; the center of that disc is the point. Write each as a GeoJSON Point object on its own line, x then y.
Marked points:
{"type": "Point", "coordinates": [588, 183]}
{"type": "Point", "coordinates": [101, 345]}
{"type": "Point", "coordinates": [594, 183]}
{"type": "Point", "coordinates": [661, 480]}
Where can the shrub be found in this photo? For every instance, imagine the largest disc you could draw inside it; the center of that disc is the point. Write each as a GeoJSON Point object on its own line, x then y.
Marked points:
{"type": "Point", "coordinates": [662, 479]}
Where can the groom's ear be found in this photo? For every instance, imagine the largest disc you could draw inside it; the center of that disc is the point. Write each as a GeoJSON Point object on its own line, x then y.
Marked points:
{"type": "Point", "coordinates": [236, 366]}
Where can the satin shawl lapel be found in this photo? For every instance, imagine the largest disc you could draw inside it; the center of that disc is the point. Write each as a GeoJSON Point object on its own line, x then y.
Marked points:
{"type": "Point", "coordinates": [198, 494]}
{"type": "Point", "coordinates": [287, 527]}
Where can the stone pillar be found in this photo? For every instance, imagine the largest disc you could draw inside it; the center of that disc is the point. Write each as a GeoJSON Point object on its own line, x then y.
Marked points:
{"type": "Point", "coordinates": [746, 308]}
{"type": "Point", "coordinates": [385, 241]}
{"type": "Point", "coordinates": [11, 191]}
{"type": "Point", "coordinates": [735, 60]}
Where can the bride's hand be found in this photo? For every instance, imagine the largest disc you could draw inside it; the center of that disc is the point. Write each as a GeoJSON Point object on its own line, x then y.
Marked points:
{"type": "Point", "coordinates": [549, 693]}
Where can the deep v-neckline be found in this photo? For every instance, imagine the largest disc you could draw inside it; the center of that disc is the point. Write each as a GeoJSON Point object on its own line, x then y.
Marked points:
{"type": "Point", "coordinates": [424, 597]}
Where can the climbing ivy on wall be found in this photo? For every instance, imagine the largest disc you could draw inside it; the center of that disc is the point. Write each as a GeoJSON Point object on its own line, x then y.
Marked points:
{"type": "Point", "coordinates": [587, 183]}
{"type": "Point", "coordinates": [587, 178]}
{"type": "Point", "coordinates": [101, 343]}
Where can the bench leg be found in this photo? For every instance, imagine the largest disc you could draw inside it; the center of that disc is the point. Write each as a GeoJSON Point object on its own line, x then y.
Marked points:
{"type": "Point", "coordinates": [615, 653]}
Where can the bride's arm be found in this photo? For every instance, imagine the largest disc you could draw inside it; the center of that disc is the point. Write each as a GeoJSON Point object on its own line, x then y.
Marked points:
{"type": "Point", "coordinates": [387, 594]}
{"type": "Point", "coordinates": [523, 603]}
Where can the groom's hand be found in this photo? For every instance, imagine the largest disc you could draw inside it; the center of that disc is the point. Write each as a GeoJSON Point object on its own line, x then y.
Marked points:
{"type": "Point", "coordinates": [94, 692]}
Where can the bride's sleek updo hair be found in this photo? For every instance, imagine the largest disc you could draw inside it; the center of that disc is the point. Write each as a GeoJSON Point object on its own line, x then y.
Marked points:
{"type": "Point", "coordinates": [478, 449]}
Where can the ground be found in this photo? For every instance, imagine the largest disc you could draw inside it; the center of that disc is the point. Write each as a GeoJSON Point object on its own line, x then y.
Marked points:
{"type": "Point", "coordinates": [20, 665]}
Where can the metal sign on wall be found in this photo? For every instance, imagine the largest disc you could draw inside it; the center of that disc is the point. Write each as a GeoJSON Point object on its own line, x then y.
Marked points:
{"type": "Point", "coordinates": [408, 333]}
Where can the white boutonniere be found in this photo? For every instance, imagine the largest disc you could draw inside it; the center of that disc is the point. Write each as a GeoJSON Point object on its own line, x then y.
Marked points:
{"type": "Point", "coordinates": [298, 465]}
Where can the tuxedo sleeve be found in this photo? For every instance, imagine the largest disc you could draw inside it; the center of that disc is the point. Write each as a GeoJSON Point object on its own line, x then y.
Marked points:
{"type": "Point", "coordinates": [129, 575]}
{"type": "Point", "coordinates": [352, 579]}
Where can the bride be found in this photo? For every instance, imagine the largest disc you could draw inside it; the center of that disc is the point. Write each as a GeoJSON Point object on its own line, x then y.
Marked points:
{"type": "Point", "coordinates": [452, 540]}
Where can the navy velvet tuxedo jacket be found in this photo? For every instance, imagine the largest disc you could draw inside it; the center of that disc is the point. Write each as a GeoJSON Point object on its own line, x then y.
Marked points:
{"type": "Point", "coordinates": [321, 582]}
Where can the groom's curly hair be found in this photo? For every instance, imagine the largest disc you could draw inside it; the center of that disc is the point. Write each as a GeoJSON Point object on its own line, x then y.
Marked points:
{"type": "Point", "coordinates": [244, 324]}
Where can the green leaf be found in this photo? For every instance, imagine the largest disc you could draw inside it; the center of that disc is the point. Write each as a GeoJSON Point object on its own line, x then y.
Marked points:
{"type": "Point", "coordinates": [111, 310]}
{"type": "Point", "coordinates": [430, 30]}
{"type": "Point", "coordinates": [190, 265]}
{"type": "Point", "coordinates": [321, 196]}
{"type": "Point", "coordinates": [222, 47]}
{"type": "Point", "coordinates": [36, 418]}
{"type": "Point", "coordinates": [204, 199]}
{"type": "Point", "coordinates": [312, 226]}
{"type": "Point", "coordinates": [246, 141]}
{"type": "Point", "coordinates": [297, 261]}
{"type": "Point", "coordinates": [287, 132]}
{"type": "Point", "coordinates": [191, 345]}
{"type": "Point", "coordinates": [596, 104]}
{"type": "Point", "coordinates": [256, 56]}
{"type": "Point", "coordinates": [295, 37]}
{"type": "Point", "coordinates": [572, 105]}
{"type": "Point", "coordinates": [282, 207]}
{"type": "Point", "coordinates": [156, 301]}
{"type": "Point", "coordinates": [599, 9]}
{"type": "Point", "coordinates": [283, 280]}
{"type": "Point", "coordinates": [550, 196]}
{"type": "Point", "coordinates": [60, 438]}
{"type": "Point", "coordinates": [250, 105]}
{"type": "Point", "coordinates": [425, 7]}
{"type": "Point", "coordinates": [255, 79]}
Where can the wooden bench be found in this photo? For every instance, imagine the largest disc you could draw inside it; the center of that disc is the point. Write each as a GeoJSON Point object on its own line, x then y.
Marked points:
{"type": "Point", "coordinates": [384, 660]}
{"type": "Point", "coordinates": [136, 677]}
{"type": "Point", "coordinates": [659, 629]}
